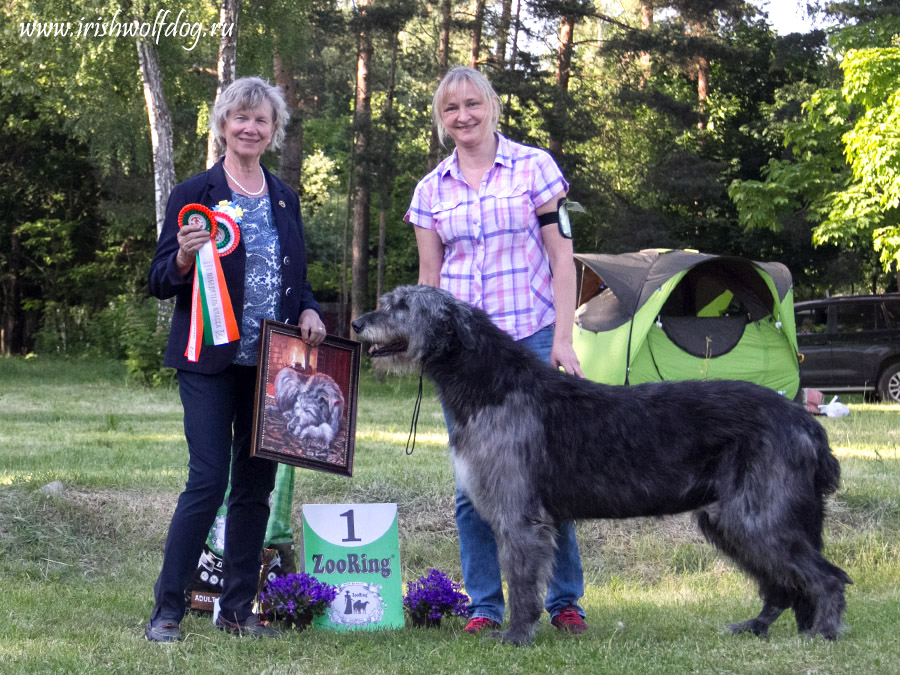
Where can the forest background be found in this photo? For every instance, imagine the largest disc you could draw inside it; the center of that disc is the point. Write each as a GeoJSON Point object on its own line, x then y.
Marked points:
{"type": "Point", "coordinates": [679, 123]}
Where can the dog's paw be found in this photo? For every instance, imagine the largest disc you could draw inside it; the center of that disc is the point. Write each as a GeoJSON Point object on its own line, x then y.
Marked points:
{"type": "Point", "coordinates": [829, 634]}
{"type": "Point", "coordinates": [519, 638]}
{"type": "Point", "coordinates": [755, 626]}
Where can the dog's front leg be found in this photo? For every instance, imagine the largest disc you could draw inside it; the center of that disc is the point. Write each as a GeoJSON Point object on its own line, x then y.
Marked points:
{"type": "Point", "coordinates": [526, 557]}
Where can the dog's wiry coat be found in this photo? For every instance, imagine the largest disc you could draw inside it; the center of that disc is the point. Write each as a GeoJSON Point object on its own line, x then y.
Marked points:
{"type": "Point", "coordinates": [533, 446]}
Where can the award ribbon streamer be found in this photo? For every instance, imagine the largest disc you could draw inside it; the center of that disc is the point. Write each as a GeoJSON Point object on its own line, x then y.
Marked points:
{"type": "Point", "coordinates": [219, 325]}
{"type": "Point", "coordinates": [212, 316]}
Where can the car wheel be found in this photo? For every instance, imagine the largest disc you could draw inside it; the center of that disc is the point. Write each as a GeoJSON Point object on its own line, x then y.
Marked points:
{"type": "Point", "coordinates": [889, 384]}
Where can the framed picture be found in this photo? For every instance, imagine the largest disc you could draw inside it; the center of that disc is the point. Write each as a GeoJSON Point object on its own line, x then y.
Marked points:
{"type": "Point", "coordinates": [305, 405]}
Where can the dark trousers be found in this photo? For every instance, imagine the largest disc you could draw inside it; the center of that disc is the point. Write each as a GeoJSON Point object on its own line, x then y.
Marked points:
{"type": "Point", "coordinates": [213, 406]}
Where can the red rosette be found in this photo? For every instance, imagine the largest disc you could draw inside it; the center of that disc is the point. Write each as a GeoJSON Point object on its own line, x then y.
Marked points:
{"type": "Point", "coordinates": [228, 234]}
{"type": "Point", "coordinates": [192, 212]}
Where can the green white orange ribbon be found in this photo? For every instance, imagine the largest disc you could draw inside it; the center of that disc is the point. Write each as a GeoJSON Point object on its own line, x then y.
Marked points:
{"type": "Point", "coordinates": [227, 233]}
{"type": "Point", "coordinates": [212, 317]}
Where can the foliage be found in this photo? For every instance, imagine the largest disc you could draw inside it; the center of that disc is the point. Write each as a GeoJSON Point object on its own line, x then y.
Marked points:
{"type": "Point", "coordinates": [145, 333]}
{"type": "Point", "coordinates": [434, 596]}
{"type": "Point", "coordinates": [872, 82]}
{"type": "Point", "coordinates": [745, 171]}
{"type": "Point", "coordinates": [297, 596]}
{"type": "Point", "coordinates": [843, 172]}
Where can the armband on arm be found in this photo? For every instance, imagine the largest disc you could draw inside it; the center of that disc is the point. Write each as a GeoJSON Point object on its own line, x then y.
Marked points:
{"type": "Point", "coordinates": [561, 216]}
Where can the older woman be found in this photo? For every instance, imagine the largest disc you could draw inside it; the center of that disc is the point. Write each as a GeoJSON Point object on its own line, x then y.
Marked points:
{"type": "Point", "coordinates": [266, 278]}
{"type": "Point", "coordinates": [487, 229]}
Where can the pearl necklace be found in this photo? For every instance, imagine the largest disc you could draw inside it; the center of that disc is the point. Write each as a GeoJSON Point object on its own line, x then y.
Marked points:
{"type": "Point", "coordinates": [250, 193]}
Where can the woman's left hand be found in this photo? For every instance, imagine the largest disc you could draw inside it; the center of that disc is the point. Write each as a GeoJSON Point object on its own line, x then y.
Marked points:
{"type": "Point", "coordinates": [563, 355]}
{"type": "Point", "coordinates": [312, 330]}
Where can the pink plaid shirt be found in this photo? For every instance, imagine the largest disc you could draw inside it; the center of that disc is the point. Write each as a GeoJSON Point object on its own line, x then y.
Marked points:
{"type": "Point", "coordinates": [494, 256]}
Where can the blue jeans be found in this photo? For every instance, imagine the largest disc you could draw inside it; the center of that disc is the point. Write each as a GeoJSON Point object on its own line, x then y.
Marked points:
{"type": "Point", "coordinates": [218, 425]}
{"type": "Point", "coordinates": [478, 548]}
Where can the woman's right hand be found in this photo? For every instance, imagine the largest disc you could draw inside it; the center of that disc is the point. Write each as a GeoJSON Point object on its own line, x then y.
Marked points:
{"type": "Point", "coordinates": [190, 238]}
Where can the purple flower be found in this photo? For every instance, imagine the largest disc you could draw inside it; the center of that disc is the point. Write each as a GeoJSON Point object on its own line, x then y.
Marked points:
{"type": "Point", "coordinates": [435, 595]}
{"type": "Point", "coordinates": [296, 594]}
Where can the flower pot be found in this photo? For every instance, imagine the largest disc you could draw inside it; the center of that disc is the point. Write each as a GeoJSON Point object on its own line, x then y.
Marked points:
{"type": "Point", "coordinates": [425, 622]}
{"type": "Point", "coordinates": [298, 622]}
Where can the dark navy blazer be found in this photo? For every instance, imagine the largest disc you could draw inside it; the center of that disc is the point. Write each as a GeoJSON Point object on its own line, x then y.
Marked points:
{"type": "Point", "coordinates": [209, 188]}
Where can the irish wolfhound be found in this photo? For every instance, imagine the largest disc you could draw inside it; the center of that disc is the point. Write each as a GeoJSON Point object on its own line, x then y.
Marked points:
{"type": "Point", "coordinates": [533, 446]}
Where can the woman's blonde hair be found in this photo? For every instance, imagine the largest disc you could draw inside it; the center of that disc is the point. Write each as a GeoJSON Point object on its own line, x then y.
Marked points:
{"type": "Point", "coordinates": [455, 78]}
{"type": "Point", "coordinates": [247, 93]}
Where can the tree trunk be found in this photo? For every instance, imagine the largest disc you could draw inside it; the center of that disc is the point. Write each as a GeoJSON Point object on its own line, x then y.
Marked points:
{"type": "Point", "coordinates": [646, 59]}
{"type": "Point", "coordinates": [699, 30]}
{"type": "Point", "coordinates": [517, 27]}
{"type": "Point", "coordinates": [477, 29]}
{"type": "Point", "coordinates": [342, 308]}
{"type": "Point", "coordinates": [702, 89]}
{"type": "Point", "coordinates": [443, 66]}
{"type": "Point", "coordinates": [362, 122]}
{"type": "Point", "coordinates": [382, 237]}
{"type": "Point", "coordinates": [228, 16]}
{"type": "Point", "coordinates": [11, 333]}
{"type": "Point", "coordinates": [386, 174]}
{"type": "Point", "coordinates": [563, 69]}
{"type": "Point", "coordinates": [290, 165]}
{"type": "Point", "coordinates": [503, 34]}
{"type": "Point", "coordinates": [514, 54]}
{"type": "Point", "coordinates": [160, 128]}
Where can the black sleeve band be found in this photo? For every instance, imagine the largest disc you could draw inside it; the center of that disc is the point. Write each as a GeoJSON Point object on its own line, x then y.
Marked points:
{"type": "Point", "coordinates": [550, 218]}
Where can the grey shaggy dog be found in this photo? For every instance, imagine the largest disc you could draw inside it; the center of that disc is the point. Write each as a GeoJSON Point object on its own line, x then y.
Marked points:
{"type": "Point", "coordinates": [533, 446]}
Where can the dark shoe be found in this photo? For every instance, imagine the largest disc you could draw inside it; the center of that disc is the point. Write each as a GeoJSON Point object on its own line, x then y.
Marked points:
{"type": "Point", "coordinates": [252, 626]}
{"type": "Point", "coordinates": [479, 623]}
{"type": "Point", "coordinates": [569, 620]}
{"type": "Point", "coordinates": [163, 631]}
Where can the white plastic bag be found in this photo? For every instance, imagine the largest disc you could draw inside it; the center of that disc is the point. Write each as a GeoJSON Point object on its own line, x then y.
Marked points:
{"type": "Point", "coordinates": [834, 409]}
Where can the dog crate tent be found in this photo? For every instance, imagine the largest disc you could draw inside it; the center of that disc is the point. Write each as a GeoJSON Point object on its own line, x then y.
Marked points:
{"type": "Point", "coordinates": [660, 315]}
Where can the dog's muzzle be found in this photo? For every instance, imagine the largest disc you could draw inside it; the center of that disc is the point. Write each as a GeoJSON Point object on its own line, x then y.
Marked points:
{"type": "Point", "coordinates": [397, 347]}
{"type": "Point", "coordinates": [381, 348]}
{"type": "Point", "coordinates": [375, 349]}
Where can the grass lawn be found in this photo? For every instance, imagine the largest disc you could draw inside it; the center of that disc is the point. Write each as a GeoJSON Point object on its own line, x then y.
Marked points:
{"type": "Point", "coordinates": [77, 570]}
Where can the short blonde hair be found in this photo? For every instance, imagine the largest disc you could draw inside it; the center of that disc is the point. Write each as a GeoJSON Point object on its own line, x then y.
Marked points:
{"type": "Point", "coordinates": [455, 78]}
{"type": "Point", "coordinates": [247, 93]}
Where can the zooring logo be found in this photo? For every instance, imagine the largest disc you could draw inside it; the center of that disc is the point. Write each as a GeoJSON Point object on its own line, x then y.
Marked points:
{"type": "Point", "coordinates": [352, 564]}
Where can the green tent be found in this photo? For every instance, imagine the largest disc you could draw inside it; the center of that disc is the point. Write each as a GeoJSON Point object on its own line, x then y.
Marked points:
{"type": "Point", "coordinates": [680, 315]}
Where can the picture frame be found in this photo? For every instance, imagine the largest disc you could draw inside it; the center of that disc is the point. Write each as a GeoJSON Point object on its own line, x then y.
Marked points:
{"type": "Point", "coordinates": [306, 398]}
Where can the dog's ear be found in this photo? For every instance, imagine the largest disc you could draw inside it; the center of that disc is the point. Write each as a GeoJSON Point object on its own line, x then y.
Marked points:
{"type": "Point", "coordinates": [462, 319]}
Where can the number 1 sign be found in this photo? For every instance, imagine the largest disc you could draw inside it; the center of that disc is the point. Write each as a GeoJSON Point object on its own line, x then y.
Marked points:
{"type": "Point", "coordinates": [355, 547]}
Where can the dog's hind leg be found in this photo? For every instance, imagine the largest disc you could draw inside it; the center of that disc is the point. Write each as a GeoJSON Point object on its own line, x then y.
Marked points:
{"type": "Point", "coordinates": [775, 599]}
{"type": "Point", "coordinates": [826, 594]}
{"type": "Point", "coordinates": [805, 613]}
{"type": "Point", "coordinates": [526, 554]}
{"type": "Point", "coordinates": [786, 562]}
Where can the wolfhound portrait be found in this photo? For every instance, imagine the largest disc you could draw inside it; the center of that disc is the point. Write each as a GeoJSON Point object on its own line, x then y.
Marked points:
{"type": "Point", "coordinates": [533, 446]}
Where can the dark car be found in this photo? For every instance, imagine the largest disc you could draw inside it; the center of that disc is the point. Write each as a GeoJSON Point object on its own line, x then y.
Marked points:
{"type": "Point", "coordinates": [851, 344]}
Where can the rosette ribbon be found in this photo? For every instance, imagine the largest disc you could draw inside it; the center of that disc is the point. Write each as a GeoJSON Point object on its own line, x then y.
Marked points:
{"type": "Point", "coordinates": [212, 316]}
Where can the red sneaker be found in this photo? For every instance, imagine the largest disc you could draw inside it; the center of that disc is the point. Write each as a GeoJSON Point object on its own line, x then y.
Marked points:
{"type": "Point", "coordinates": [479, 623]}
{"type": "Point", "coordinates": [569, 620]}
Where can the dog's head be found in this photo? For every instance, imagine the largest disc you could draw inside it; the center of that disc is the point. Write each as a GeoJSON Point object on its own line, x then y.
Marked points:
{"type": "Point", "coordinates": [414, 325]}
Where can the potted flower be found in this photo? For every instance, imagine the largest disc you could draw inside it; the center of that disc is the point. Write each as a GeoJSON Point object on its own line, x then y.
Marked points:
{"type": "Point", "coordinates": [296, 599]}
{"type": "Point", "coordinates": [432, 597]}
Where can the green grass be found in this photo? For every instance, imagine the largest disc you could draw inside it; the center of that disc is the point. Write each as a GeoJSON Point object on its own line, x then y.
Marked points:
{"type": "Point", "coordinates": [77, 570]}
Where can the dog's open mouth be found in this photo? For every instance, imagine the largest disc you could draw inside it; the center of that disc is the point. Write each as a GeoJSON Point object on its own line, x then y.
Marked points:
{"type": "Point", "coordinates": [396, 347]}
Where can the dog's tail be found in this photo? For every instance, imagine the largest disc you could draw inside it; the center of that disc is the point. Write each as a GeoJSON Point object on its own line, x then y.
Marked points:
{"type": "Point", "coordinates": [828, 469]}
